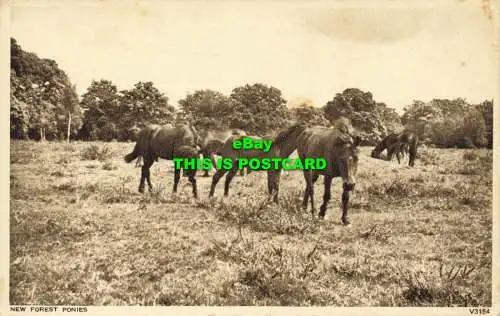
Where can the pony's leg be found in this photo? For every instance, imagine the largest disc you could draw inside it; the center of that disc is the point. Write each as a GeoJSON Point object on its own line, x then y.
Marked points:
{"type": "Point", "coordinates": [229, 177]}
{"type": "Point", "coordinates": [326, 196]}
{"type": "Point", "coordinates": [273, 183]}
{"type": "Point", "coordinates": [309, 193]}
{"type": "Point", "coordinates": [214, 164]}
{"type": "Point", "coordinates": [145, 174]}
{"type": "Point", "coordinates": [143, 179]}
{"type": "Point", "coordinates": [315, 177]}
{"type": "Point", "coordinates": [306, 192]}
{"type": "Point", "coordinates": [345, 203]}
{"type": "Point", "coordinates": [411, 162]}
{"type": "Point", "coordinates": [389, 154]}
{"type": "Point", "coordinates": [177, 177]}
{"type": "Point", "coordinates": [270, 182]}
{"type": "Point", "coordinates": [215, 179]}
{"type": "Point", "coordinates": [398, 156]}
{"type": "Point", "coordinates": [305, 201]}
{"type": "Point", "coordinates": [192, 179]}
{"type": "Point", "coordinates": [148, 174]}
{"type": "Point", "coordinates": [412, 154]}
{"type": "Point", "coordinates": [277, 186]}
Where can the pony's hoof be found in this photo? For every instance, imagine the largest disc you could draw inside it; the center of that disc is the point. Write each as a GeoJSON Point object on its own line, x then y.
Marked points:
{"type": "Point", "coordinates": [346, 222]}
{"type": "Point", "coordinates": [322, 212]}
{"type": "Point", "coordinates": [141, 190]}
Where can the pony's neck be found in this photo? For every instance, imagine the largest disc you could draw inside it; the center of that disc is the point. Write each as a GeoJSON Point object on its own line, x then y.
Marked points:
{"type": "Point", "coordinates": [286, 142]}
{"type": "Point", "coordinates": [285, 150]}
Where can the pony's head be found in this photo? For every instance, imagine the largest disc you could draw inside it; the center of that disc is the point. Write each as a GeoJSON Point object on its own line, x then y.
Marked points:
{"type": "Point", "coordinates": [375, 154]}
{"type": "Point", "coordinates": [347, 162]}
{"type": "Point", "coordinates": [381, 146]}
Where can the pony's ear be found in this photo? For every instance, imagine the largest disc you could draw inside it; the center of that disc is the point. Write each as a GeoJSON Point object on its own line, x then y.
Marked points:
{"type": "Point", "coordinates": [356, 142]}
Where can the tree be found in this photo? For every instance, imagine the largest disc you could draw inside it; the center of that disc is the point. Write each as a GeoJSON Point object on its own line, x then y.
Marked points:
{"type": "Point", "coordinates": [361, 109]}
{"type": "Point", "coordinates": [45, 94]}
{"type": "Point", "coordinates": [446, 107]}
{"type": "Point", "coordinates": [69, 113]}
{"type": "Point", "coordinates": [473, 127]}
{"type": "Point", "coordinates": [486, 109]}
{"type": "Point", "coordinates": [19, 118]}
{"type": "Point", "coordinates": [389, 117]}
{"type": "Point", "coordinates": [144, 104]}
{"type": "Point", "coordinates": [207, 109]}
{"type": "Point", "coordinates": [258, 109]}
{"type": "Point", "coordinates": [112, 114]}
{"type": "Point", "coordinates": [417, 118]}
{"type": "Point", "coordinates": [101, 105]}
{"type": "Point", "coordinates": [448, 123]}
{"type": "Point", "coordinates": [305, 112]}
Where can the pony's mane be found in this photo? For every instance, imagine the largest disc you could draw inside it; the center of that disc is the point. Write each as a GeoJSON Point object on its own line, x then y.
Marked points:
{"type": "Point", "coordinates": [344, 125]}
{"type": "Point", "coordinates": [285, 133]}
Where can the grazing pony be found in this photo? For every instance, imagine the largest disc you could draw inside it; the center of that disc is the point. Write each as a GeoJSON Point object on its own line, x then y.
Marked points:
{"type": "Point", "coordinates": [398, 144]}
{"type": "Point", "coordinates": [338, 147]}
{"type": "Point", "coordinates": [283, 144]}
{"type": "Point", "coordinates": [167, 142]}
{"type": "Point", "coordinates": [211, 141]}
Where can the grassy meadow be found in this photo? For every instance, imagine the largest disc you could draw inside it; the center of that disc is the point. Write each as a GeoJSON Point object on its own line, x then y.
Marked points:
{"type": "Point", "coordinates": [80, 233]}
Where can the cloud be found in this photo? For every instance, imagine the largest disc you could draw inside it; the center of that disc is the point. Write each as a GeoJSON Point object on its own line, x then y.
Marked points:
{"type": "Point", "coordinates": [365, 25]}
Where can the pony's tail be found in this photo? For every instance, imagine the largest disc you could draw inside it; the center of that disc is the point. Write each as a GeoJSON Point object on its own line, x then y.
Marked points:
{"type": "Point", "coordinates": [413, 150]}
{"type": "Point", "coordinates": [134, 154]}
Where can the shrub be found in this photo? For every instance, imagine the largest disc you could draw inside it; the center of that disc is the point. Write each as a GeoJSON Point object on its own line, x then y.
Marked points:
{"type": "Point", "coordinates": [96, 152]}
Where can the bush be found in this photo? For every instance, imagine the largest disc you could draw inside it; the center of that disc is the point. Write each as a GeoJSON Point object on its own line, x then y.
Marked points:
{"type": "Point", "coordinates": [96, 152]}
{"type": "Point", "coordinates": [444, 289]}
{"type": "Point", "coordinates": [461, 131]}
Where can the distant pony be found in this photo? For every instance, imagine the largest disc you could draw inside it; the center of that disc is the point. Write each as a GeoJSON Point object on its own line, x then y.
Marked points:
{"type": "Point", "coordinates": [399, 144]}
{"type": "Point", "coordinates": [167, 142]}
{"type": "Point", "coordinates": [211, 141]}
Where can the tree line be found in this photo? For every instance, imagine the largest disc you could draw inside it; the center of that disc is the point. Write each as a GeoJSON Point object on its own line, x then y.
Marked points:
{"type": "Point", "coordinates": [45, 106]}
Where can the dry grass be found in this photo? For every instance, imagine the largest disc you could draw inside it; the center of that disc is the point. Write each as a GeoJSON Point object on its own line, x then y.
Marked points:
{"type": "Point", "coordinates": [82, 234]}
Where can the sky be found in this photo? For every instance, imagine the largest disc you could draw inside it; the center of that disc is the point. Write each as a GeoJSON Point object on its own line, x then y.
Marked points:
{"type": "Point", "coordinates": [309, 50]}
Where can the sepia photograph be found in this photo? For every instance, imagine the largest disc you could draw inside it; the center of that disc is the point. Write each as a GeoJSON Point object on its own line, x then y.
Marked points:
{"type": "Point", "coordinates": [252, 153]}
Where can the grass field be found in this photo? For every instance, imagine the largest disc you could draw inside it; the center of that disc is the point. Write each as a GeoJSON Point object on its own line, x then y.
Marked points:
{"type": "Point", "coordinates": [82, 234]}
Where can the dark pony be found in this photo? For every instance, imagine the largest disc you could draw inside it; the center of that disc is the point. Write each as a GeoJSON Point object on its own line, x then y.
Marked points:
{"type": "Point", "coordinates": [167, 142]}
{"type": "Point", "coordinates": [398, 144]}
{"type": "Point", "coordinates": [283, 144]}
{"type": "Point", "coordinates": [210, 141]}
{"type": "Point", "coordinates": [338, 146]}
